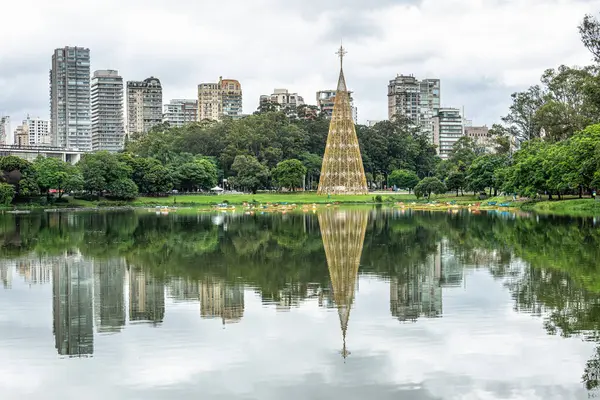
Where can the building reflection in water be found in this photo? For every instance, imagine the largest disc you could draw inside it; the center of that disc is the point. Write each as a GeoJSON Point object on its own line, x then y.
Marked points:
{"type": "Point", "coordinates": [221, 300]}
{"type": "Point", "coordinates": [109, 295]}
{"type": "Point", "coordinates": [343, 234]}
{"type": "Point", "coordinates": [146, 297]}
{"type": "Point", "coordinates": [180, 289]}
{"type": "Point", "coordinates": [416, 291]}
{"type": "Point", "coordinates": [72, 289]}
{"type": "Point", "coordinates": [6, 270]}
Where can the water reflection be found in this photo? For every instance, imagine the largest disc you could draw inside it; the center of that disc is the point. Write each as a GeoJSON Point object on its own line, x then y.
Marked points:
{"type": "Point", "coordinates": [110, 271]}
{"type": "Point", "coordinates": [343, 234]}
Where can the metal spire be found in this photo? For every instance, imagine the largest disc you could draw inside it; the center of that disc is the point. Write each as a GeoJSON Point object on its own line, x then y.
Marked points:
{"type": "Point", "coordinates": [341, 53]}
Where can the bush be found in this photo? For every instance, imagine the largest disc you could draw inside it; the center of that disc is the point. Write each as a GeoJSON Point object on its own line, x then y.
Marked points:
{"type": "Point", "coordinates": [123, 189]}
{"type": "Point", "coordinates": [428, 186]}
{"type": "Point", "coordinates": [378, 199]}
{"type": "Point", "coordinates": [7, 194]}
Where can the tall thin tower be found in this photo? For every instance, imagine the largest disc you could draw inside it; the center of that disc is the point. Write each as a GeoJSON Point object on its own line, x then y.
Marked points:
{"type": "Point", "coordinates": [342, 171]}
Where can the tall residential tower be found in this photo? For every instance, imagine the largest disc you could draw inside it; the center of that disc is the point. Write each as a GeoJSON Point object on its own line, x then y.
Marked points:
{"type": "Point", "coordinates": [220, 100]}
{"type": "Point", "coordinates": [108, 130]}
{"type": "Point", "coordinates": [144, 105]}
{"type": "Point", "coordinates": [70, 112]}
{"type": "Point", "coordinates": [419, 101]}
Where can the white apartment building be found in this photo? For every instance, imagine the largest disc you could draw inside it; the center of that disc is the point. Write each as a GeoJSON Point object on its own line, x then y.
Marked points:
{"type": "Point", "coordinates": [417, 100]}
{"type": "Point", "coordinates": [144, 105]}
{"type": "Point", "coordinates": [70, 112]}
{"type": "Point", "coordinates": [39, 131]}
{"type": "Point", "coordinates": [447, 129]}
{"type": "Point", "coordinates": [283, 98]}
{"type": "Point", "coordinates": [180, 112]}
{"type": "Point", "coordinates": [108, 127]}
{"type": "Point", "coordinates": [326, 100]}
{"type": "Point", "coordinates": [5, 132]}
{"type": "Point", "coordinates": [21, 136]}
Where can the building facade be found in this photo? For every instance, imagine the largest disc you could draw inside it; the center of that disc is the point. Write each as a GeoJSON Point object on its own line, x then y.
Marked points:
{"type": "Point", "coordinates": [39, 131]}
{"type": "Point", "coordinates": [326, 99]}
{"type": "Point", "coordinates": [108, 128]}
{"type": "Point", "coordinates": [220, 100]}
{"type": "Point", "coordinates": [417, 100]}
{"type": "Point", "coordinates": [144, 105]}
{"type": "Point", "coordinates": [447, 129]}
{"type": "Point", "coordinates": [21, 137]}
{"type": "Point", "coordinates": [5, 131]}
{"type": "Point", "coordinates": [179, 112]}
{"type": "Point", "coordinates": [283, 98]}
{"type": "Point", "coordinates": [481, 136]}
{"type": "Point", "coordinates": [70, 112]}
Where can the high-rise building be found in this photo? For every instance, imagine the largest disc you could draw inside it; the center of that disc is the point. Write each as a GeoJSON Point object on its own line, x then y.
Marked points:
{"type": "Point", "coordinates": [109, 295]}
{"type": "Point", "coordinates": [108, 130]}
{"type": "Point", "coordinates": [220, 100]}
{"type": "Point", "coordinates": [208, 101]}
{"type": "Point", "coordinates": [72, 289]}
{"type": "Point", "coordinates": [221, 300]}
{"type": "Point", "coordinates": [419, 101]}
{"type": "Point", "coordinates": [146, 298]}
{"type": "Point", "coordinates": [179, 112]}
{"type": "Point", "coordinates": [5, 132]}
{"type": "Point", "coordinates": [447, 129]}
{"type": "Point", "coordinates": [70, 112]}
{"type": "Point", "coordinates": [481, 136]}
{"type": "Point", "coordinates": [326, 99]}
{"type": "Point", "coordinates": [144, 105]}
{"type": "Point", "coordinates": [282, 98]}
{"type": "Point", "coordinates": [39, 131]}
{"type": "Point", "coordinates": [21, 136]}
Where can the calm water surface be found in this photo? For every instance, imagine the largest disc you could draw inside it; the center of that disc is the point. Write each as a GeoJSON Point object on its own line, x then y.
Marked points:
{"type": "Point", "coordinates": [341, 304]}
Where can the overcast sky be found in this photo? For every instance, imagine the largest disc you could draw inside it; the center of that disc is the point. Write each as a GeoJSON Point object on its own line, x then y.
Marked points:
{"type": "Point", "coordinates": [482, 50]}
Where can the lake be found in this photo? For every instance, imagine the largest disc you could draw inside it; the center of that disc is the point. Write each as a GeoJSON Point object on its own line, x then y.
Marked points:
{"type": "Point", "coordinates": [348, 303]}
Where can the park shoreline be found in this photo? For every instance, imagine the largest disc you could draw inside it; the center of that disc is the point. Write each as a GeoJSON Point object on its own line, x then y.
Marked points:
{"type": "Point", "coordinates": [567, 207]}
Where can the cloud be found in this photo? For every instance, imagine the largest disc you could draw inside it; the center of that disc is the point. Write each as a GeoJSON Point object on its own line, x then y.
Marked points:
{"type": "Point", "coordinates": [496, 46]}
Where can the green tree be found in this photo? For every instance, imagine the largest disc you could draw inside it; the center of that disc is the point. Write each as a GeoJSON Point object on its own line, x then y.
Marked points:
{"type": "Point", "coordinates": [250, 174]}
{"type": "Point", "coordinates": [521, 118]}
{"type": "Point", "coordinates": [589, 29]}
{"type": "Point", "coordinates": [484, 173]}
{"type": "Point", "coordinates": [122, 189]}
{"type": "Point", "coordinates": [199, 174]}
{"type": "Point", "coordinates": [19, 173]}
{"type": "Point", "coordinates": [455, 181]}
{"type": "Point", "coordinates": [101, 169]}
{"type": "Point", "coordinates": [430, 185]}
{"type": "Point", "coordinates": [403, 179]}
{"type": "Point", "coordinates": [7, 194]}
{"type": "Point", "coordinates": [289, 174]}
{"type": "Point", "coordinates": [463, 153]}
{"type": "Point", "coordinates": [52, 173]}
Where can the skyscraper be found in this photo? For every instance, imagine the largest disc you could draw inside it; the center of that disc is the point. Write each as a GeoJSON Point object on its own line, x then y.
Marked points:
{"type": "Point", "coordinates": [146, 298]}
{"type": "Point", "coordinates": [109, 295]}
{"type": "Point", "coordinates": [179, 112]}
{"type": "Point", "coordinates": [283, 99]}
{"type": "Point", "coordinates": [72, 290]}
{"type": "Point", "coordinates": [39, 131]}
{"type": "Point", "coordinates": [326, 100]}
{"type": "Point", "coordinates": [419, 101]}
{"type": "Point", "coordinates": [70, 112]}
{"type": "Point", "coordinates": [5, 132]}
{"type": "Point", "coordinates": [108, 130]}
{"type": "Point", "coordinates": [447, 129]}
{"type": "Point", "coordinates": [220, 100]}
{"type": "Point", "coordinates": [144, 105]}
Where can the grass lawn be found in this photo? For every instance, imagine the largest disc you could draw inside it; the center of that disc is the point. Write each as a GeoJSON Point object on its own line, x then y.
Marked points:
{"type": "Point", "coordinates": [297, 198]}
{"type": "Point", "coordinates": [573, 207]}
{"type": "Point", "coordinates": [290, 198]}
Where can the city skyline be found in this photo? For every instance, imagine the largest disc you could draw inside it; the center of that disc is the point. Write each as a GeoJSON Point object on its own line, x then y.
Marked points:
{"type": "Point", "coordinates": [495, 53]}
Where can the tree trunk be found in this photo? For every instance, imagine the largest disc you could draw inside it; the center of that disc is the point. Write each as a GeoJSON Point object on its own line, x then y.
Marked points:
{"type": "Point", "coordinates": [495, 192]}
{"type": "Point", "coordinates": [549, 195]}
{"type": "Point", "coordinates": [456, 192]}
{"type": "Point", "coordinates": [490, 192]}
{"type": "Point", "coordinates": [580, 192]}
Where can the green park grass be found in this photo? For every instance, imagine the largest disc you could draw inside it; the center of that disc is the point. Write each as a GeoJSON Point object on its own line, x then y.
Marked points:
{"type": "Point", "coordinates": [570, 206]}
